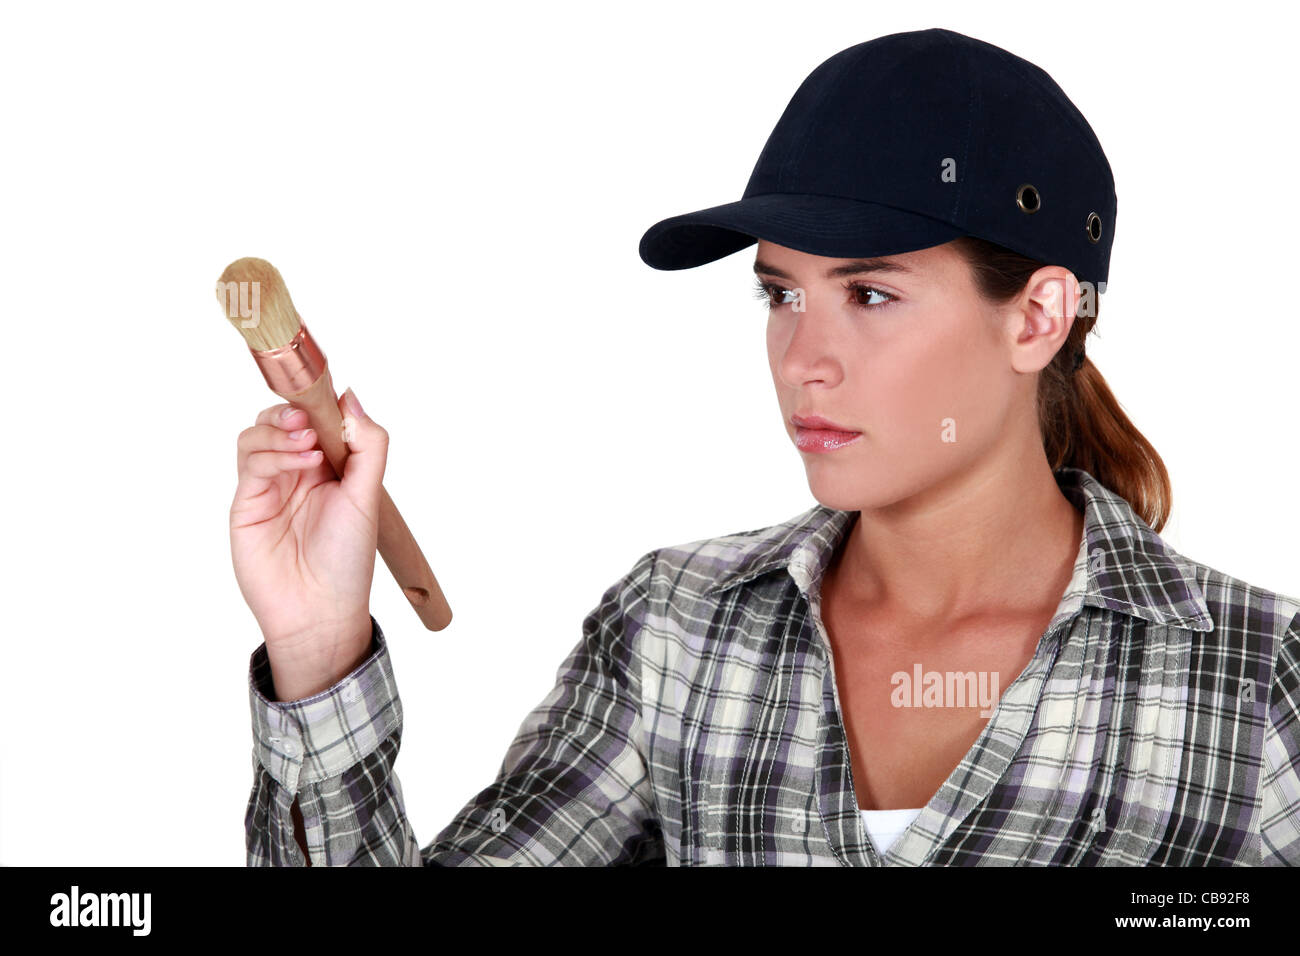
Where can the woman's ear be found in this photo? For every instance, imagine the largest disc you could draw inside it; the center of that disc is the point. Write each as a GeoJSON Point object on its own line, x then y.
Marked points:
{"type": "Point", "coordinates": [1047, 306]}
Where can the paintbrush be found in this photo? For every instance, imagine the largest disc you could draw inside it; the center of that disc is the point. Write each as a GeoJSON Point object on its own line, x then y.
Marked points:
{"type": "Point", "coordinates": [254, 298]}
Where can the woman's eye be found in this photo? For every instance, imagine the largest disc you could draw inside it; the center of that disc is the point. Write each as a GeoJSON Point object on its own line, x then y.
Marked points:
{"type": "Point", "coordinates": [862, 294]}
{"type": "Point", "coordinates": [774, 294]}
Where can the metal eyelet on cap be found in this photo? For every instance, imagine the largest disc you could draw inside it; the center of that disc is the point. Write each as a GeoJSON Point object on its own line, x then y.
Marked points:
{"type": "Point", "coordinates": [1027, 198]}
{"type": "Point", "coordinates": [1094, 227]}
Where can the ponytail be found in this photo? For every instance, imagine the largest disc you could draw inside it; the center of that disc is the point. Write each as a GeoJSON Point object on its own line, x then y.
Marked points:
{"type": "Point", "coordinates": [1082, 424]}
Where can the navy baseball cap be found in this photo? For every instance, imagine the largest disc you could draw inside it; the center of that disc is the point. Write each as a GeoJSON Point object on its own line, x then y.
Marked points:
{"type": "Point", "coordinates": [908, 141]}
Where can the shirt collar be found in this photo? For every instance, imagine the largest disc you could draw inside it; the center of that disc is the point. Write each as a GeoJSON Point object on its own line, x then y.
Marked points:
{"type": "Point", "coordinates": [1122, 564]}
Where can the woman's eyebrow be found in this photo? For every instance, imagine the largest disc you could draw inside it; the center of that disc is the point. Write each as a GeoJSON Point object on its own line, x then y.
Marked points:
{"type": "Point", "coordinates": [856, 267]}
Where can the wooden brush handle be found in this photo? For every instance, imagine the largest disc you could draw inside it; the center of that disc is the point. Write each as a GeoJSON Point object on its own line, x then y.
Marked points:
{"type": "Point", "coordinates": [396, 544]}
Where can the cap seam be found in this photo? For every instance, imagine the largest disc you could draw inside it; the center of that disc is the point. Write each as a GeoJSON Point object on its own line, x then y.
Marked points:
{"type": "Point", "coordinates": [973, 103]}
{"type": "Point", "coordinates": [865, 202]}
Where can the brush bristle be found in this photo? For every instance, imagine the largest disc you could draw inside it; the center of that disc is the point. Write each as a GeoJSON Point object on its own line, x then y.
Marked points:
{"type": "Point", "coordinates": [254, 298]}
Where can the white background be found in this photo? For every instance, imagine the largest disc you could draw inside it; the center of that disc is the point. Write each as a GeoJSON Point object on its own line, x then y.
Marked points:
{"type": "Point", "coordinates": [454, 195]}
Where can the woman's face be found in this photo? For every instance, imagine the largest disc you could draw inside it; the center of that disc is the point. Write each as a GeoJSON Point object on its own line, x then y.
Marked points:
{"type": "Point", "coordinates": [907, 354]}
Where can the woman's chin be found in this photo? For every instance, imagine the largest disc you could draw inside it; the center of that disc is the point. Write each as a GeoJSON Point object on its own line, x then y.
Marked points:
{"type": "Point", "coordinates": [856, 490]}
{"type": "Point", "coordinates": [841, 495]}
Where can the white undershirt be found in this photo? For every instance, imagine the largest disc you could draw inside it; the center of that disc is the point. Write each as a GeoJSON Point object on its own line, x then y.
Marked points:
{"type": "Point", "coordinates": [886, 826]}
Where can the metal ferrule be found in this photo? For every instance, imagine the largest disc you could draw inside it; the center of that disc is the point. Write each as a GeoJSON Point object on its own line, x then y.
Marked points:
{"type": "Point", "coordinates": [294, 366]}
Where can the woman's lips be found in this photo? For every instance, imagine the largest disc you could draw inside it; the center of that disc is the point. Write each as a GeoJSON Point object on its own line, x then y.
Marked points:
{"type": "Point", "coordinates": [823, 439]}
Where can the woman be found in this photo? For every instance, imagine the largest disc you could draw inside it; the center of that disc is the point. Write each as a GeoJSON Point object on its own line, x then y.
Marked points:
{"type": "Point", "coordinates": [975, 649]}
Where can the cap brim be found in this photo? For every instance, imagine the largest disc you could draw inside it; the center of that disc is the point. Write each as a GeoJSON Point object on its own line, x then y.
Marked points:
{"type": "Point", "coordinates": [818, 225]}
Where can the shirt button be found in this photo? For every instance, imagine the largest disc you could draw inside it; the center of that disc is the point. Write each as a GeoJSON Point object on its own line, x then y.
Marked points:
{"type": "Point", "coordinates": [289, 748]}
{"type": "Point", "coordinates": [350, 692]}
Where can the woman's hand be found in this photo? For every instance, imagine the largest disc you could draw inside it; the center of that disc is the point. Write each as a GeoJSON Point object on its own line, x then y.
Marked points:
{"type": "Point", "coordinates": [303, 543]}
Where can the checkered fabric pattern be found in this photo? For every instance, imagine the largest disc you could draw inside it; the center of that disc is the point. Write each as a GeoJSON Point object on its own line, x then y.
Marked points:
{"type": "Point", "coordinates": [697, 722]}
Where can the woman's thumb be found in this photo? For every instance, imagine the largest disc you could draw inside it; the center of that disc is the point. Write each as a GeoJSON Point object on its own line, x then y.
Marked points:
{"type": "Point", "coordinates": [367, 443]}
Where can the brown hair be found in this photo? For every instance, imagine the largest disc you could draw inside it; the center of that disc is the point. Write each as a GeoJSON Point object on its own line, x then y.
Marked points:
{"type": "Point", "coordinates": [1082, 424]}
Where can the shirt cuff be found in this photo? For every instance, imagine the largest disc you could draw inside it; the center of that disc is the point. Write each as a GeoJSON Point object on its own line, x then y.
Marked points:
{"type": "Point", "coordinates": [306, 741]}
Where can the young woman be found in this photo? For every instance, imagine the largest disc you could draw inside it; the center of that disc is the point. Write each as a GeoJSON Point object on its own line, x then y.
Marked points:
{"type": "Point", "coordinates": [975, 649]}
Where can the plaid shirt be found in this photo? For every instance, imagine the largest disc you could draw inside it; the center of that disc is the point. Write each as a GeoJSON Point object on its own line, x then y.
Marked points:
{"type": "Point", "coordinates": [697, 722]}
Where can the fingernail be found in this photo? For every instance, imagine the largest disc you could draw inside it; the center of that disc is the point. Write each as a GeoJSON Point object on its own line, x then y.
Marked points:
{"type": "Point", "coordinates": [350, 397]}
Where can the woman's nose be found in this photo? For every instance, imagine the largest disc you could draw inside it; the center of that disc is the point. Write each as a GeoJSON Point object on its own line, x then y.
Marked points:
{"type": "Point", "coordinates": [809, 351]}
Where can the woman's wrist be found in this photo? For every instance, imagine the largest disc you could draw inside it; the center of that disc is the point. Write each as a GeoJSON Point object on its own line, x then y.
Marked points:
{"type": "Point", "coordinates": [297, 676]}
